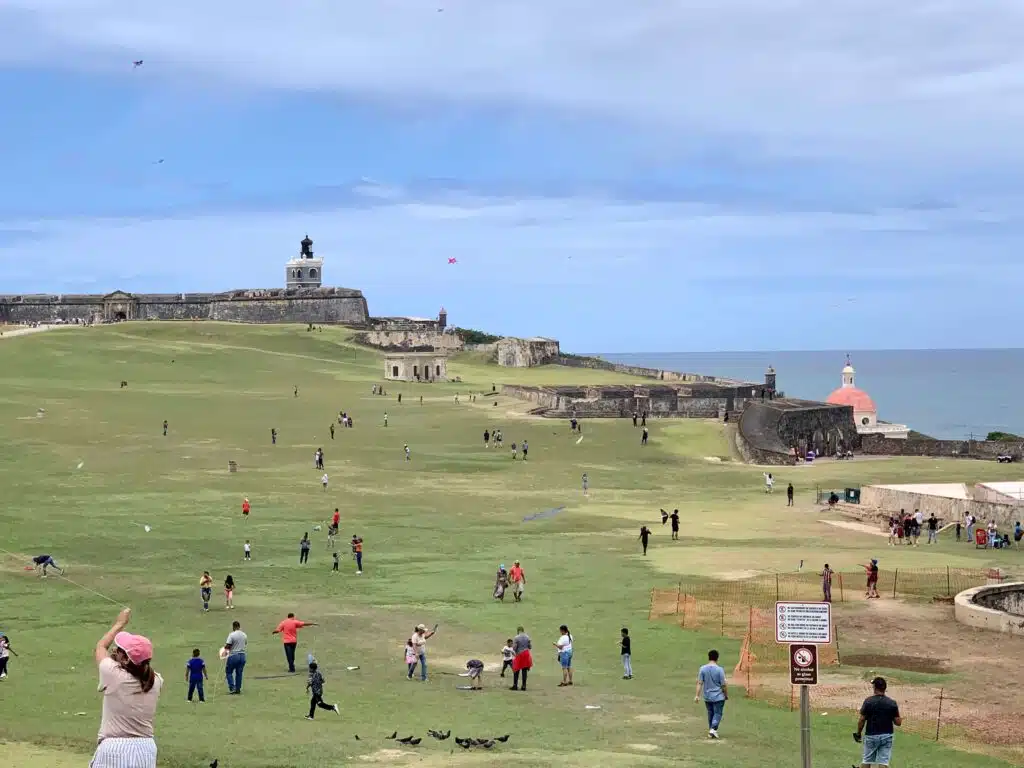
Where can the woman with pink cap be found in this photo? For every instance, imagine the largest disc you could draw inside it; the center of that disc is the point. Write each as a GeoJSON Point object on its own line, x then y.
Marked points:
{"type": "Point", "coordinates": [130, 691]}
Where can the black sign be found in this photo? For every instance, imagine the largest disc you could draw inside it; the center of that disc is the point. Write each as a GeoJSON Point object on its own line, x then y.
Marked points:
{"type": "Point", "coordinates": [803, 664]}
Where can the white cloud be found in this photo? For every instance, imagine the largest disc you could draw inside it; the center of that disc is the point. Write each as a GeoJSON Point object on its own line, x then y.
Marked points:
{"type": "Point", "coordinates": [917, 78]}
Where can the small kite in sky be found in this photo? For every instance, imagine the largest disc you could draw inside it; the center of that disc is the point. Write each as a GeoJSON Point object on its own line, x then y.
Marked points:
{"type": "Point", "coordinates": [452, 260]}
{"type": "Point", "coordinates": [136, 64]}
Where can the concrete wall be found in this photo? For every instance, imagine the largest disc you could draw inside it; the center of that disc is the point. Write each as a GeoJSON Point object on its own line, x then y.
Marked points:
{"type": "Point", "coordinates": [47, 309]}
{"type": "Point", "coordinates": [889, 500]}
{"type": "Point", "coordinates": [621, 401]}
{"type": "Point", "coordinates": [526, 353]}
{"type": "Point", "coordinates": [919, 446]}
{"type": "Point", "coordinates": [973, 608]}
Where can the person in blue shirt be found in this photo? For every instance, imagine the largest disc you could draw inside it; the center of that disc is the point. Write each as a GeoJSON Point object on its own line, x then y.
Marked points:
{"type": "Point", "coordinates": [711, 683]}
{"type": "Point", "coordinates": [195, 674]}
{"type": "Point", "coordinates": [1018, 534]}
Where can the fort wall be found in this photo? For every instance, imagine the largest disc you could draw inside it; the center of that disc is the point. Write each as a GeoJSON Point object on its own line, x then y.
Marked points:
{"type": "Point", "coordinates": [879, 445]}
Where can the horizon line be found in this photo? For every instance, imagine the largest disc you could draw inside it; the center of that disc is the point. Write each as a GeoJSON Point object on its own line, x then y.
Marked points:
{"type": "Point", "coordinates": [803, 351]}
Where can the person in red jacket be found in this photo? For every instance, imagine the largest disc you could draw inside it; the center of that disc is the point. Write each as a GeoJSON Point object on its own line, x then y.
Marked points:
{"type": "Point", "coordinates": [289, 631]}
{"type": "Point", "coordinates": [245, 508]}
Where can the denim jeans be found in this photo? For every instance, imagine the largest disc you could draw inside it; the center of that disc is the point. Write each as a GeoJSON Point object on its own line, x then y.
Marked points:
{"type": "Point", "coordinates": [289, 654]}
{"type": "Point", "coordinates": [196, 686]}
{"type": "Point", "coordinates": [877, 749]}
{"type": "Point", "coordinates": [233, 671]}
{"type": "Point", "coordinates": [423, 666]}
{"type": "Point", "coordinates": [627, 665]}
{"type": "Point", "coordinates": [715, 711]}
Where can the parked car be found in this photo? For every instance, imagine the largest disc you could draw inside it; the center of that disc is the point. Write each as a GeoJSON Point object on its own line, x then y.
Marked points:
{"type": "Point", "coordinates": [1005, 458]}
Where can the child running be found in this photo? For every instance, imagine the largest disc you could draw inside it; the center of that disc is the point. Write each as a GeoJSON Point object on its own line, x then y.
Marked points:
{"type": "Point", "coordinates": [336, 563]}
{"type": "Point", "coordinates": [195, 674]}
{"type": "Point", "coordinates": [315, 685]}
{"type": "Point", "coordinates": [507, 654]}
{"type": "Point", "coordinates": [206, 590]}
{"type": "Point", "coordinates": [229, 592]}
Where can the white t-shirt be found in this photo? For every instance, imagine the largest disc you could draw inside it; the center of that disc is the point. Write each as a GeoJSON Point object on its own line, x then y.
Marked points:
{"type": "Point", "coordinates": [919, 516]}
{"type": "Point", "coordinates": [247, 548]}
{"type": "Point", "coordinates": [565, 644]}
{"type": "Point", "coordinates": [324, 479]}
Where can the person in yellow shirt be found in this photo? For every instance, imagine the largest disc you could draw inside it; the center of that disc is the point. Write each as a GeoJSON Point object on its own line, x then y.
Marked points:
{"type": "Point", "coordinates": [206, 590]}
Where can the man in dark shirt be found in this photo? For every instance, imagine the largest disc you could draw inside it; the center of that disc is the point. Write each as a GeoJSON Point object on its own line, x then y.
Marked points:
{"type": "Point", "coordinates": [645, 535]}
{"type": "Point", "coordinates": [627, 655]}
{"type": "Point", "coordinates": [933, 529]}
{"type": "Point", "coordinates": [878, 715]}
{"type": "Point", "coordinates": [675, 524]}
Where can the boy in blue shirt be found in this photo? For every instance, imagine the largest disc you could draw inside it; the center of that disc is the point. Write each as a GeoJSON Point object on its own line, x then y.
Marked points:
{"type": "Point", "coordinates": [195, 673]}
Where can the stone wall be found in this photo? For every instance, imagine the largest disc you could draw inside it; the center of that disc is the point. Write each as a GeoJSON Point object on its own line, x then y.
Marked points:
{"type": "Point", "coordinates": [971, 607]}
{"type": "Point", "coordinates": [880, 445]}
{"type": "Point", "coordinates": [769, 430]}
{"type": "Point", "coordinates": [526, 353]}
{"type": "Point", "coordinates": [621, 401]}
{"type": "Point", "coordinates": [410, 340]}
{"type": "Point", "coordinates": [303, 305]}
{"type": "Point", "coordinates": [581, 361]}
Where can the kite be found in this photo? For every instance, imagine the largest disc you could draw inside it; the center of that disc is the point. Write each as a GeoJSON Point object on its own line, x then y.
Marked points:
{"type": "Point", "coordinates": [452, 261]}
{"type": "Point", "coordinates": [136, 64]}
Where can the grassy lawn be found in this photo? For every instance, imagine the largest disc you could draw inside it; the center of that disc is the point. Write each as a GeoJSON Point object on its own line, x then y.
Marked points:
{"type": "Point", "coordinates": [435, 529]}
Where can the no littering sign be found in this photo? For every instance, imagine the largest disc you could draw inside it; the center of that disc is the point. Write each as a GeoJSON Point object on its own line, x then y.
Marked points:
{"type": "Point", "coordinates": [809, 623]}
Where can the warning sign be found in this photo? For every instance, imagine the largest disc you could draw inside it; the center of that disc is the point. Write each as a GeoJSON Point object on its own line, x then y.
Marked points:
{"type": "Point", "coordinates": [803, 664]}
{"type": "Point", "coordinates": [803, 623]}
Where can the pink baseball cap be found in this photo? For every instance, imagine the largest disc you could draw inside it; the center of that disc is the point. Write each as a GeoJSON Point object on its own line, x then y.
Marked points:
{"type": "Point", "coordinates": [137, 648]}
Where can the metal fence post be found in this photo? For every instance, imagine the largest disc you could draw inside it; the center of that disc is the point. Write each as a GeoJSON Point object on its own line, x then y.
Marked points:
{"type": "Point", "coordinates": [776, 587]}
{"type": "Point", "coordinates": [938, 718]}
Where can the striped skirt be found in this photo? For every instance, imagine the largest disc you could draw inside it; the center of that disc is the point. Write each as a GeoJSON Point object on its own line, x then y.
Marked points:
{"type": "Point", "coordinates": [125, 753]}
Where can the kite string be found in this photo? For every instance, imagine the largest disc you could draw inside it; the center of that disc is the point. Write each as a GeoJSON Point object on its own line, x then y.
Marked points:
{"type": "Point", "coordinates": [16, 556]}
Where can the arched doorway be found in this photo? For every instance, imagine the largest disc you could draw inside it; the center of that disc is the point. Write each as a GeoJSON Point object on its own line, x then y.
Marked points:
{"type": "Point", "coordinates": [120, 317]}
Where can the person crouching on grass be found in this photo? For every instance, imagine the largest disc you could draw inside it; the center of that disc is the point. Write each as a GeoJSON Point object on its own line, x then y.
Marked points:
{"type": "Point", "coordinates": [476, 670]}
{"type": "Point", "coordinates": [315, 685]}
{"type": "Point", "coordinates": [130, 691]}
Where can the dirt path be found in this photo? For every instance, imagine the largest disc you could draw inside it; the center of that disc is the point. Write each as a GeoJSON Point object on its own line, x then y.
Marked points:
{"type": "Point", "coordinates": [10, 334]}
{"type": "Point", "coordinates": [858, 527]}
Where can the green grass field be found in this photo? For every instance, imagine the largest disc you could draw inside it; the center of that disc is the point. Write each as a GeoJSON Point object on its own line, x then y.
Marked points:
{"type": "Point", "coordinates": [435, 530]}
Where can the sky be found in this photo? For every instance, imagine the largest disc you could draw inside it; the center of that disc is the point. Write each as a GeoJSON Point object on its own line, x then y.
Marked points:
{"type": "Point", "coordinates": [656, 175]}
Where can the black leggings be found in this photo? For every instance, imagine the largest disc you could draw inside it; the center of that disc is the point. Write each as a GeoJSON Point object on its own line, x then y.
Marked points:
{"type": "Point", "coordinates": [3, 666]}
{"type": "Point", "coordinates": [505, 664]}
{"type": "Point", "coordinates": [318, 701]}
{"type": "Point", "coordinates": [303, 555]}
{"type": "Point", "coordinates": [515, 678]}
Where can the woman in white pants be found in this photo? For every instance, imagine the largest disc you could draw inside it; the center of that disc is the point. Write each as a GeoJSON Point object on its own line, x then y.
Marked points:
{"type": "Point", "coordinates": [130, 691]}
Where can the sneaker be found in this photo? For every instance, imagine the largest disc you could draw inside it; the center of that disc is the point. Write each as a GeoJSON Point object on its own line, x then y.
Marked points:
{"type": "Point", "coordinates": [308, 717]}
{"type": "Point", "coordinates": [713, 733]}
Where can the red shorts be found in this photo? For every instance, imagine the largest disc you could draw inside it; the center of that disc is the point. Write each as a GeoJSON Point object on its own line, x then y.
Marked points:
{"type": "Point", "coordinates": [523, 660]}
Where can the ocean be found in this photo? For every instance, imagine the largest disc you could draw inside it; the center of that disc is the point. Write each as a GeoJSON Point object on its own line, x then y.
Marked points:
{"type": "Point", "coordinates": [945, 393]}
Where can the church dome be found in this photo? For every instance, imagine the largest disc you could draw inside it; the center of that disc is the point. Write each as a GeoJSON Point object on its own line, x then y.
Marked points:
{"type": "Point", "coordinates": [858, 398]}
{"type": "Point", "coordinates": [849, 394]}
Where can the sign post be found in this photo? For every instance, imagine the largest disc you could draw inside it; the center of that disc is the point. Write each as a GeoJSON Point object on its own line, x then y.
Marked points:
{"type": "Point", "coordinates": [803, 626]}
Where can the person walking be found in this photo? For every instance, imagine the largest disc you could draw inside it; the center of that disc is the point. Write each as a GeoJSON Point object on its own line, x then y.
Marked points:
{"type": "Point", "coordinates": [645, 535]}
{"type": "Point", "coordinates": [789, 495]}
{"type": "Point", "coordinates": [518, 578]}
{"type": "Point", "coordinates": [586, 483]}
{"type": "Point", "coordinates": [357, 553]}
{"type": "Point", "coordinates": [195, 674]}
{"type": "Point", "coordinates": [522, 662]}
{"type": "Point", "coordinates": [872, 573]}
{"type": "Point", "coordinates": [711, 685]}
{"type": "Point", "coordinates": [564, 647]}
{"type": "Point", "coordinates": [826, 583]}
{"type": "Point", "coordinates": [233, 654]}
{"type": "Point", "coordinates": [5, 653]}
{"type": "Point", "coordinates": [878, 715]}
{"type": "Point", "coordinates": [289, 631]}
{"type": "Point", "coordinates": [304, 547]}
{"type": "Point", "coordinates": [419, 638]}
{"type": "Point", "coordinates": [315, 686]}
{"type": "Point", "coordinates": [933, 529]}
{"type": "Point", "coordinates": [130, 691]}
{"type": "Point", "coordinates": [229, 592]}
{"type": "Point", "coordinates": [206, 590]}
{"type": "Point", "coordinates": [674, 517]}
{"type": "Point", "coordinates": [626, 649]}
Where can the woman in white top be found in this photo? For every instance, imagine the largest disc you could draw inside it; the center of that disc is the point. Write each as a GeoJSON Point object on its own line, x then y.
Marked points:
{"type": "Point", "coordinates": [564, 646]}
{"type": "Point", "coordinates": [130, 691]}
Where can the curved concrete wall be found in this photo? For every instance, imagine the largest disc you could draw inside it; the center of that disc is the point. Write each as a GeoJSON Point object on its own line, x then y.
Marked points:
{"type": "Point", "coordinates": [972, 607]}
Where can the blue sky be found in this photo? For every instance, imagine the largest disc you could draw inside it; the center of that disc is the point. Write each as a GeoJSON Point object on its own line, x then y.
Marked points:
{"type": "Point", "coordinates": [643, 176]}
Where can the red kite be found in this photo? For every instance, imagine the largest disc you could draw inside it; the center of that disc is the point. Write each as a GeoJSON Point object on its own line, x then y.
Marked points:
{"type": "Point", "coordinates": [451, 260]}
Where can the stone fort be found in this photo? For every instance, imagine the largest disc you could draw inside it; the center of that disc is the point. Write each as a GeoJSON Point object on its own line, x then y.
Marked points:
{"type": "Point", "coordinates": [303, 299]}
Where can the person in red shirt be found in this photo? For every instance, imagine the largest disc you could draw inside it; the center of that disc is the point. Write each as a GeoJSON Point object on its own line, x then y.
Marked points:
{"type": "Point", "coordinates": [245, 508]}
{"type": "Point", "coordinates": [289, 631]}
{"type": "Point", "coordinates": [335, 519]}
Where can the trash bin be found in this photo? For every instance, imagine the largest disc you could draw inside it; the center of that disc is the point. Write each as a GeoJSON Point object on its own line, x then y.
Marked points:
{"type": "Point", "coordinates": [852, 495]}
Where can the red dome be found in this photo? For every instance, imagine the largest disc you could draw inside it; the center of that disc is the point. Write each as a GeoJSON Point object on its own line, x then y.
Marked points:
{"type": "Point", "coordinates": [858, 398]}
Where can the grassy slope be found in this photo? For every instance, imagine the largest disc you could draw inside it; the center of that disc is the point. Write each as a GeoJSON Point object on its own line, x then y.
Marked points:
{"type": "Point", "coordinates": [435, 530]}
